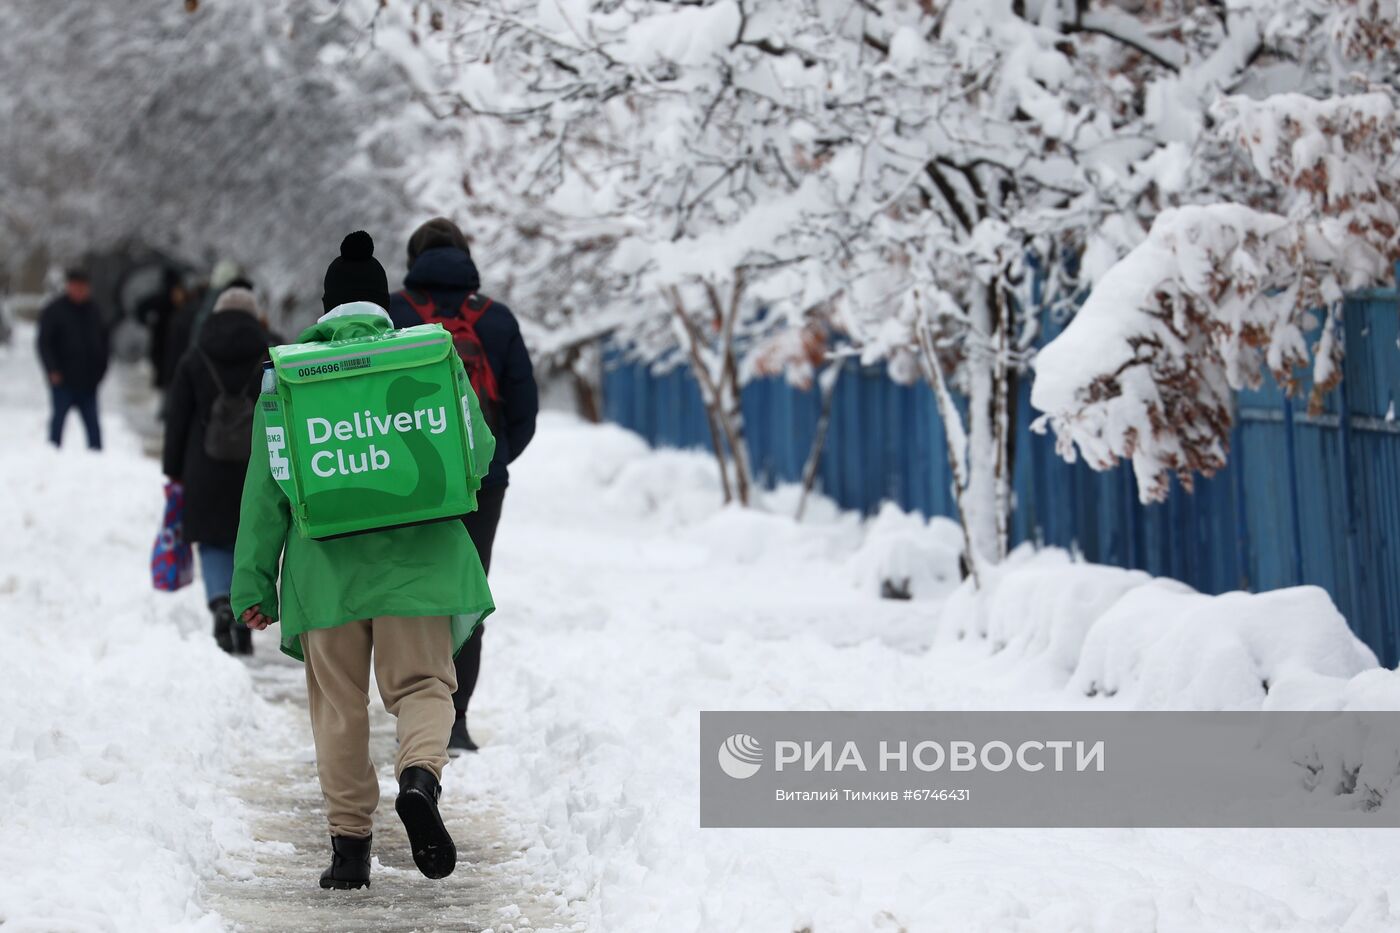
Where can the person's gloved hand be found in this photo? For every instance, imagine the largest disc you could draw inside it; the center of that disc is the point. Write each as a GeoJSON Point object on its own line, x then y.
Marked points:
{"type": "Point", "coordinates": [253, 618]}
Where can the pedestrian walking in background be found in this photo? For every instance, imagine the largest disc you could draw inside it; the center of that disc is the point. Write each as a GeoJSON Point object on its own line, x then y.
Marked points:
{"type": "Point", "coordinates": [208, 432]}
{"type": "Point", "coordinates": [169, 333]}
{"type": "Point", "coordinates": [190, 326]}
{"type": "Point", "coordinates": [74, 347]}
{"type": "Point", "coordinates": [226, 274]}
{"type": "Point", "coordinates": [384, 599]}
{"type": "Point", "coordinates": [443, 287]}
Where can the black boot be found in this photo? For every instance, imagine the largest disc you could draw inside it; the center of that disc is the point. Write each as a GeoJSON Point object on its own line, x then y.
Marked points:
{"type": "Point", "coordinates": [223, 623]}
{"type": "Point", "coordinates": [349, 863]}
{"type": "Point", "coordinates": [433, 850]}
{"type": "Point", "coordinates": [242, 638]}
{"type": "Point", "coordinates": [460, 740]}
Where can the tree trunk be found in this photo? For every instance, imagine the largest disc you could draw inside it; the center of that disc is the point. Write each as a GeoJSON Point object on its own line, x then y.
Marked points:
{"type": "Point", "coordinates": [979, 452]}
{"type": "Point", "coordinates": [1002, 423]}
{"type": "Point", "coordinates": [981, 507]}
{"type": "Point", "coordinates": [586, 398]}
{"type": "Point", "coordinates": [580, 363]}
{"type": "Point", "coordinates": [730, 407]}
{"type": "Point", "coordinates": [732, 418]}
{"type": "Point", "coordinates": [709, 394]}
{"type": "Point", "coordinates": [826, 382]}
{"type": "Point", "coordinates": [720, 391]}
{"type": "Point", "coordinates": [955, 439]}
{"type": "Point", "coordinates": [718, 447]}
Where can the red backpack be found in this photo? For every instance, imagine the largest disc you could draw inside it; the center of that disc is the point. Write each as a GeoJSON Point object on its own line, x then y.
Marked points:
{"type": "Point", "coordinates": [469, 348]}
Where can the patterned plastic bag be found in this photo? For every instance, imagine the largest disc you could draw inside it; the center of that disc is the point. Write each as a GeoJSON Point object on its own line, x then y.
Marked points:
{"type": "Point", "coordinates": [172, 560]}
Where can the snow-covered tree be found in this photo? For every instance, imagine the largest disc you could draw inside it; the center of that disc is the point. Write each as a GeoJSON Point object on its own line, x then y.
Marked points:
{"type": "Point", "coordinates": [925, 175]}
{"type": "Point", "coordinates": [1299, 205]}
{"type": "Point", "coordinates": [652, 135]}
{"type": "Point", "coordinates": [221, 131]}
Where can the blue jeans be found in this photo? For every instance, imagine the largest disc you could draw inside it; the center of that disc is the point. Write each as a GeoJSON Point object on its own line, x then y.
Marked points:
{"type": "Point", "coordinates": [65, 399]}
{"type": "Point", "coordinates": [216, 566]}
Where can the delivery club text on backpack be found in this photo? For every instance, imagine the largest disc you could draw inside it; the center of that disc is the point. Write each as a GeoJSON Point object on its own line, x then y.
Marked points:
{"type": "Point", "coordinates": [336, 461]}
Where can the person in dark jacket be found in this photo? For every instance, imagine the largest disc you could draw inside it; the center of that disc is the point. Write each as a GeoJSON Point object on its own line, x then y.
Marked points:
{"type": "Point", "coordinates": [73, 347]}
{"type": "Point", "coordinates": [443, 282]}
{"type": "Point", "coordinates": [227, 274]}
{"type": "Point", "coordinates": [229, 353]}
{"type": "Point", "coordinates": [178, 335]}
{"type": "Point", "coordinates": [167, 316]}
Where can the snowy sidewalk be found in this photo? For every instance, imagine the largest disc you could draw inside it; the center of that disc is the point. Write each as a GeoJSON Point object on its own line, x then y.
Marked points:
{"type": "Point", "coordinates": [120, 717]}
{"type": "Point", "coordinates": [279, 788]}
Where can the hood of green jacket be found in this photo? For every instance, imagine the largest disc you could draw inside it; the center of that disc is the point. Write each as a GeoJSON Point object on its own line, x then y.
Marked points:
{"type": "Point", "coordinates": [348, 322]}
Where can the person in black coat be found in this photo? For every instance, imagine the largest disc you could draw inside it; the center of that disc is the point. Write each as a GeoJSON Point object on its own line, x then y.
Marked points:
{"type": "Point", "coordinates": [443, 279]}
{"type": "Point", "coordinates": [178, 334]}
{"type": "Point", "coordinates": [168, 318]}
{"type": "Point", "coordinates": [231, 348]}
{"type": "Point", "coordinates": [74, 349]}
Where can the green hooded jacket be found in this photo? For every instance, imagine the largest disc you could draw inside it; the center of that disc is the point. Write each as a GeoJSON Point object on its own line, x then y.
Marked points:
{"type": "Point", "coordinates": [420, 570]}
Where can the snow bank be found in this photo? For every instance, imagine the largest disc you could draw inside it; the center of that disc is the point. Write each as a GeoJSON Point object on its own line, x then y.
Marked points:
{"type": "Point", "coordinates": [679, 491]}
{"type": "Point", "coordinates": [1163, 648]}
{"type": "Point", "coordinates": [568, 453]}
{"type": "Point", "coordinates": [677, 487]}
{"type": "Point", "coordinates": [1146, 643]}
{"type": "Point", "coordinates": [904, 553]}
{"type": "Point", "coordinates": [1039, 606]}
{"type": "Point", "coordinates": [119, 719]}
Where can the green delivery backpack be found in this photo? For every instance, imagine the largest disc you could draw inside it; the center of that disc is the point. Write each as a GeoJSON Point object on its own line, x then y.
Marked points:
{"type": "Point", "coordinates": [372, 433]}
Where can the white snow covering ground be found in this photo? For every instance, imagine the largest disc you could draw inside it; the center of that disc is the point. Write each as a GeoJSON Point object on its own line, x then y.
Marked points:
{"type": "Point", "coordinates": [629, 600]}
{"type": "Point", "coordinates": [118, 716]}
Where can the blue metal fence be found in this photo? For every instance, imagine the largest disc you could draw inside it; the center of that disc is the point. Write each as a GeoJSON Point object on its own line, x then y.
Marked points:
{"type": "Point", "coordinates": [1305, 499]}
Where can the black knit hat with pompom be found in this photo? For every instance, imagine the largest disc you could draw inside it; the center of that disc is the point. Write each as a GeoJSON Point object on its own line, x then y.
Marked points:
{"type": "Point", "coordinates": [355, 275]}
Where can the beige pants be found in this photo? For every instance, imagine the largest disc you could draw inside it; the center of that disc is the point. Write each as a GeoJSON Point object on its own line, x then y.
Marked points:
{"type": "Point", "coordinates": [413, 666]}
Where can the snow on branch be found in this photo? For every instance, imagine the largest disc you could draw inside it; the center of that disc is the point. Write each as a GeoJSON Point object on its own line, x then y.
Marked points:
{"type": "Point", "coordinates": [1219, 293]}
{"type": "Point", "coordinates": [1335, 157]}
{"type": "Point", "coordinates": [1215, 296]}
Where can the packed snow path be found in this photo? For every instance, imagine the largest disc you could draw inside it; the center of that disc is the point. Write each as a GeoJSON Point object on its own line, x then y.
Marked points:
{"type": "Point", "coordinates": [280, 790]}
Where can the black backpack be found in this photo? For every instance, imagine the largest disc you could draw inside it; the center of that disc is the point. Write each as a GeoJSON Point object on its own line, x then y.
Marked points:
{"type": "Point", "coordinates": [228, 434]}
